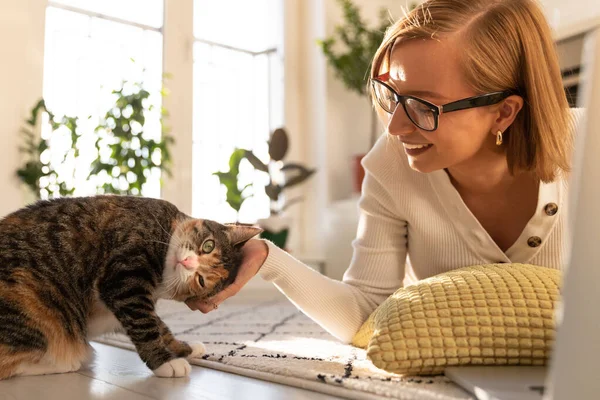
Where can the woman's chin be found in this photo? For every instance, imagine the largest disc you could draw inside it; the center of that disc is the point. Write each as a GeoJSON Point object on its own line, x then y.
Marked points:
{"type": "Point", "coordinates": [424, 168]}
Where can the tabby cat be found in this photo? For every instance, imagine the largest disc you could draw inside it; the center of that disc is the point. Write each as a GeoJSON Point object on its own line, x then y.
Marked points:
{"type": "Point", "coordinates": [72, 269]}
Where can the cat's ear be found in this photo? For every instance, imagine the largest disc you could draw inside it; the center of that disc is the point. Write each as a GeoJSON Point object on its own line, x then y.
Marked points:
{"type": "Point", "coordinates": [239, 234]}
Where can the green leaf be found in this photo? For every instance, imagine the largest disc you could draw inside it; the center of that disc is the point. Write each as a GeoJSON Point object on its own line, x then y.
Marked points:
{"type": "Point", "coordinates": [357, 45]}
{"type": "Point", "coordinates": [118, 141]}
{"type": "Point", "coordinates": [247, 195]}
{"type": "Point", "coordinates": [229, 179]}
{"type": "Point", "coordinates": [235, 159]}
{"type": "Point", "coordinates": [42, 146]}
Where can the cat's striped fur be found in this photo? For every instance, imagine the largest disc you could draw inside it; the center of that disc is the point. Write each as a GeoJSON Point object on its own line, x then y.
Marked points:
{"type": "Point", "coordinates": [72, 268]}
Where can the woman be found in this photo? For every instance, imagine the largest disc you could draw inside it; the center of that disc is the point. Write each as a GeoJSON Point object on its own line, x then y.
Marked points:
{"type": "Point", "coordinates": [472, 169]}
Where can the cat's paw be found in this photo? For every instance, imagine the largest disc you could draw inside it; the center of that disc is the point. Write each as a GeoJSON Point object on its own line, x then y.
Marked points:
{"type": "Point", "coordinates": [198, 349]}
{"type": "Point", "coordinates": [173, 369]}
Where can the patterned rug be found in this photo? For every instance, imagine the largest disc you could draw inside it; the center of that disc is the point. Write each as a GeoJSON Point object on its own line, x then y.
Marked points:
{"type": "Point", "coordinates": [274, 341]}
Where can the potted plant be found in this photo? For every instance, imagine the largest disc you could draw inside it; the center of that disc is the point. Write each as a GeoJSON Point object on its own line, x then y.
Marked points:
{"type": "Point", "coordinates": [282, 176]}
{"type": "Point", "coordinates": [124, 157]}
{"type": "Point", "coordinates": [235, 196]}
{"type": "Point", "coordinates": [349, 51]}
{"type": "Point", "coordinates": [39, 175]}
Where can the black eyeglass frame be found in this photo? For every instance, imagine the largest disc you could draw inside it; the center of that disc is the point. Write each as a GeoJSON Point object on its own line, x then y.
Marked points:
{"type": "Point", "coordinates": [487, 99]}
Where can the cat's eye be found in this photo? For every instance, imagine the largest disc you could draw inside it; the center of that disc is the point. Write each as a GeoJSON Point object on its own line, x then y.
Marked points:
{"type": "Point", "coordinates": [208, 246]}
{"type": "Point", "coordinates": [200, 280]}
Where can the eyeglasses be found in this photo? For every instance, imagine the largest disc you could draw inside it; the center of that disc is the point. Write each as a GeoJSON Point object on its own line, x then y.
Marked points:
{"type": "Point", "coordinates": [426, 115]}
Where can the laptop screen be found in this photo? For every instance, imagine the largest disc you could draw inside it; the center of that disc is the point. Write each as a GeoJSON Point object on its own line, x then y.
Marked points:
{"type": "Point", "coordinates": [577, 351]}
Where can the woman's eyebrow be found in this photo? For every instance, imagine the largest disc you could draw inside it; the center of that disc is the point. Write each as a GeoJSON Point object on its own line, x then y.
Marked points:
{"type": "Point", "coordinates": [426, 93]}
{"type": "Point", "coordinates": [417, 93]}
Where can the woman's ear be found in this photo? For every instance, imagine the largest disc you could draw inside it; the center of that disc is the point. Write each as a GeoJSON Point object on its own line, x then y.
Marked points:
{"type": "Point", "coordinates": [508, 111]}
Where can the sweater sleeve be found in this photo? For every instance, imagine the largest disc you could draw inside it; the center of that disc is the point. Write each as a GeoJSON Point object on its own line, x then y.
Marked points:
{"type": "Point", "coordinates": [378, 262]}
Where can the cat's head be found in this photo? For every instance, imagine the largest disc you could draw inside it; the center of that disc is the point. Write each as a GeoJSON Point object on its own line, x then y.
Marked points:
{"type": "Point", "coordinates": [203, 258]}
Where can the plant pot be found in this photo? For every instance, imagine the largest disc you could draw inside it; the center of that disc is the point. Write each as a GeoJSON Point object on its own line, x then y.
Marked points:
{"type": "Point", "coordinates": [276, 229]}
{"type": "Point", "coordinates": [359, 172]}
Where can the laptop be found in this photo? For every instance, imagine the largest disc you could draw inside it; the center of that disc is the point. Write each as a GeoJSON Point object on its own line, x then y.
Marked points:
{"type": "Point", "coordinates": [572, 371]}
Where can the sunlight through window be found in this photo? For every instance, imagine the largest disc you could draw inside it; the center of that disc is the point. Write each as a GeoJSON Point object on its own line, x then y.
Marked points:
{"type": "Point", "coordinates": [238, 98]}
{"type": "Point", "coordinates": [91, 47]}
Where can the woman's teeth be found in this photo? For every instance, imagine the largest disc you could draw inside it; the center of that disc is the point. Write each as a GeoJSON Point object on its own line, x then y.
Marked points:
{"type": "Point", "coordinates": [416, 146]}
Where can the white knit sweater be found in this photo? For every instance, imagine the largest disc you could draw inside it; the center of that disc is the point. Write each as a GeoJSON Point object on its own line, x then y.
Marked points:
{"type": "Point", "coordinates": [412, 226]}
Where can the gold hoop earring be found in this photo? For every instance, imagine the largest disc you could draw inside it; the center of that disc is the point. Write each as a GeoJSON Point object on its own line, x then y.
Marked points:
{"type": "Point", "coordinates": [499, 138]}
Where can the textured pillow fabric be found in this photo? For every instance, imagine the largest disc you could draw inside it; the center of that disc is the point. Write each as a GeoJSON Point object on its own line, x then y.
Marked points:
{"type": "Point", "coordinates": [497, 314]}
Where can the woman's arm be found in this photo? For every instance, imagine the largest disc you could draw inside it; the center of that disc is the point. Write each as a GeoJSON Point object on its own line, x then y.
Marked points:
{"type": "Point", "coordinates": [377, 267]}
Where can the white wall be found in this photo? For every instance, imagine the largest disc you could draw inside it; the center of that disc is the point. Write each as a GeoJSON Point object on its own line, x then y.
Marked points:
{"type": "Point", "coordinates": [178, 40]}
{"type": "Point", "coordinates": [305, 116]}
{"type": "Point", "coordinates": [22, 48]}
{"type": "Point", "coordinates": [348, 116]}
{"type": "Point", "coordinates": [328, 124]}
{"type": "Point", "coordinates": [561, 13]}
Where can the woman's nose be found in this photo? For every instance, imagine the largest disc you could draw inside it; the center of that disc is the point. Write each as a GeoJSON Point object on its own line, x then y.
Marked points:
{"type": "Point", "coordinates": [399, 124]}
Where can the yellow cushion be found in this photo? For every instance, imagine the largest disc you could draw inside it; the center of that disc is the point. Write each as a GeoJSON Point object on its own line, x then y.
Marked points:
{"type": "Point", "coordinates": [501, 314]}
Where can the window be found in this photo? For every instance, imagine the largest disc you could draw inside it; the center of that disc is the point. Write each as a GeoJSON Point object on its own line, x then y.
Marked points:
{"type": "Point", "coordinates": [237, 83]}
{"type": "Point", "coordinates": [90, 48]}
{"type": "Point", "coordinates": [238, 98]}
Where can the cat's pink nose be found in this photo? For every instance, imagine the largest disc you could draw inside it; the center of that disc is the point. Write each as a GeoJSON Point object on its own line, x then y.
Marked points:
{"type": "Point", "coordinates": [187, 262]}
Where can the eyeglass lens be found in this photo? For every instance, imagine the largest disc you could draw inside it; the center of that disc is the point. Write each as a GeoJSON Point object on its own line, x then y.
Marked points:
{"type": "Point", "coordinates": [419, 113]}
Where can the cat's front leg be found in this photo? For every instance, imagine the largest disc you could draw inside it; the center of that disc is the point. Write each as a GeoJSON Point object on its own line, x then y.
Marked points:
{"type": "Point", "coordinates": [180, 348]}
{"type": "Point", "coordinates": [156, 349]}
{"type": "Point", "coordinates": [130, 300]}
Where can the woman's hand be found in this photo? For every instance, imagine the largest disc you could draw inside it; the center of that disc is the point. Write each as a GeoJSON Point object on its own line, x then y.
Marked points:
{"type": "Point", "coordinates": [255, 253]}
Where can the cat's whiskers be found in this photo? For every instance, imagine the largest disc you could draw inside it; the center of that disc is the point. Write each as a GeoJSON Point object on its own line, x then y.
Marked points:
{"type": "Point", "coordinates": [157, 241]}
{"type": "Point", "coordinates": [169, 285]}
{"type": "Point", "coordinates": [176, 289]}
{"type": "Point", "coordinates": [161, 227]}
{"type": "Point", "coordinates": [172, 237]}
{"type": "Point", "coordinates": [173, 284]}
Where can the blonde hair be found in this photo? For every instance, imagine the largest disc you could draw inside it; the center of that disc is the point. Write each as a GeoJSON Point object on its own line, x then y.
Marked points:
{"type": "Point", "coordinates": [507, 45]}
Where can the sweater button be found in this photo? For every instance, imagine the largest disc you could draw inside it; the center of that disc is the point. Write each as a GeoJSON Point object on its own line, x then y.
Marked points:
{"type": "Point", "coordinates": [534, 241]}
{"type": "Point", "coordinates": [550, 209]}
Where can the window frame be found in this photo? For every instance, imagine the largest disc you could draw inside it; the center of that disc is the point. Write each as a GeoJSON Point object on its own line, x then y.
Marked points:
{"type": "Point", "coordinates": [178, 41]}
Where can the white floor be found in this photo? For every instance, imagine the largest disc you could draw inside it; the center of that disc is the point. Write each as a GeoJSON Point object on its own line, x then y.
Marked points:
{"type": "Point", "coordinates": [119, 374]}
